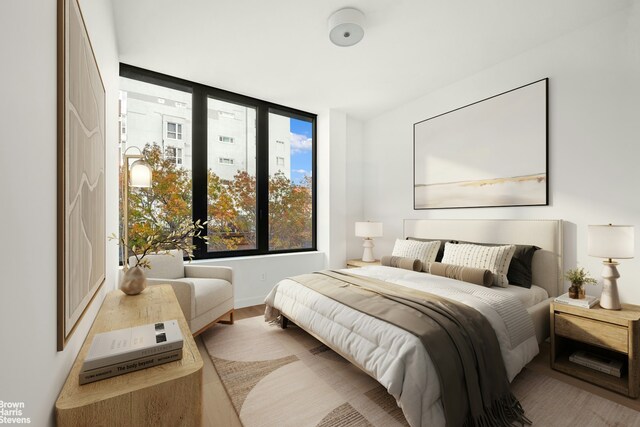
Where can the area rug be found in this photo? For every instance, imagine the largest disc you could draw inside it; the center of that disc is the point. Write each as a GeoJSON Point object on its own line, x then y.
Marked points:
{"type": "Point", "coordinates": [277, 377]}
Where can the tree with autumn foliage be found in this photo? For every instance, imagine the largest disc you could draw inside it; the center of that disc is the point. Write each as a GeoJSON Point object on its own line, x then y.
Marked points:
{"type": "Point", "coordinates": [162, 209]}
{"type": "Point", "coordinates": [231, 207]}
{"type": "Point", "coordinates": [290, 213]}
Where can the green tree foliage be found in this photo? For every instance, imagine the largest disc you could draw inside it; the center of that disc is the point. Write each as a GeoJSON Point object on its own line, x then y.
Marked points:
{"type": "Point", "coordinates": [231, 210]}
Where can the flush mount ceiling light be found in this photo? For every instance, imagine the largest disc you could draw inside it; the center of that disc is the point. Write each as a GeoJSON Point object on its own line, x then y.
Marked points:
{"type": "Point", "coordinates": [346, 27]}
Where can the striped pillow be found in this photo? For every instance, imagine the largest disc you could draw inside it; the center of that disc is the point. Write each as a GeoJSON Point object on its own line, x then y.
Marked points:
{"type": "Point", "coordinates": [493, 258]}
{"type": "Point", "coordinates": [424, 251]}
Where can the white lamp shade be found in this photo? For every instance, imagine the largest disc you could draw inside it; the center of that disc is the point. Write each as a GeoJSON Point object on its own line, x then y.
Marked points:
{"type": "Point", "coordinates": [611, 241]}
{"type": "Point", "coordinates": [369, 229]}
{"type": "Point", "coordinates": [140, 174]}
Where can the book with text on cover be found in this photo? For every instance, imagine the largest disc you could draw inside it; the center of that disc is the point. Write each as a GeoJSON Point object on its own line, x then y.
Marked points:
{"type": "Point", "coordinates": [129, 366]}
{"type": "Point", "coordinates": [122, 345]}
{"type": "Point", "coordinates": [587, 302]}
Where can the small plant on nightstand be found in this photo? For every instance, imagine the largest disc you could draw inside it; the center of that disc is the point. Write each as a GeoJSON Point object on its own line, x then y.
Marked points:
{"type": "Point", "coordinates": [578, 277]}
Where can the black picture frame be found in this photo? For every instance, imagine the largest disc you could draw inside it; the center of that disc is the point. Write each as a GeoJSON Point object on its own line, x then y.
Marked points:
{"type": "Point", "coordinates": [455, 153]}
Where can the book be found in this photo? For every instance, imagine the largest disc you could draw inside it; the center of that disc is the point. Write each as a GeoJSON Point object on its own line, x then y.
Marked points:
{"type": "Point", "coordinates": [587, 302]}
{"type": "Point", "coordinates": [122, 345]}
{"type": "Point", "coordinates": [599, 363]}
{"type": "Point", "coordinates": [105, 372]}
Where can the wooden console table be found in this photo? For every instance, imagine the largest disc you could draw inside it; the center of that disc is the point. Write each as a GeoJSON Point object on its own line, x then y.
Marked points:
{"type": "Point", "coordinates": [164, 395]}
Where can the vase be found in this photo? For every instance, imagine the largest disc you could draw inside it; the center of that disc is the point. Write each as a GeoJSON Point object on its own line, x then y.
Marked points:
{"type": "Point", "coordinates": [574, 291]}
{"type": "Point", "coordinates": [581, 293]}
{"type": "Point", "coordinates": [134, 281]}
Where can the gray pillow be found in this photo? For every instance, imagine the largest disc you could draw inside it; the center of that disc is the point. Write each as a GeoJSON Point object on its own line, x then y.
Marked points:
{"type": "Point", "coordinates": [401, 262]}
{"type": "Point", "coordinates": [477, 276]}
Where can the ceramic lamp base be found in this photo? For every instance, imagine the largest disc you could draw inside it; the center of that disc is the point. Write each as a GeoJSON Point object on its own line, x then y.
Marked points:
{"type": "Point", "coordinates": [610, 298]}
{"type": "Point", "coordinates": [367, 255]}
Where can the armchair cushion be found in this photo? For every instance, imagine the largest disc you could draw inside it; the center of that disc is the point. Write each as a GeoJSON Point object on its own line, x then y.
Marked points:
{"type": "Point", "coordinates": [209, 272]}
{"type": "Point", "coordinates": [164, 265]}
{"type": "Point", "coordinates": [210, 293]}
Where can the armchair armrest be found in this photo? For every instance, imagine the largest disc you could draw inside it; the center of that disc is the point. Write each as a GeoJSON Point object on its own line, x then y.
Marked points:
{"type": "Point", "coordinates": [209, 272]}
{"type": "Point", "coordinates": [184, 293]}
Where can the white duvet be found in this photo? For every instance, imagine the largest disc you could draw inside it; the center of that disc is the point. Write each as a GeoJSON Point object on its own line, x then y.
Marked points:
{"type": "Point", "coordinates": [395, 357]}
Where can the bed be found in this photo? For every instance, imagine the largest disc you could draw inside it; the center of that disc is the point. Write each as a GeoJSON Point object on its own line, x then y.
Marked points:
{"type": "Point", "coordinates": [396, 358]}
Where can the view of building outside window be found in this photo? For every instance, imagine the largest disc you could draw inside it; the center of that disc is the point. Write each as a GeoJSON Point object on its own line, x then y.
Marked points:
{"type": "Point", "coordinates": [158, 121]}
{"type": "Point", "coordinates": [290, 183]}
{"type": "Point", "coordinates": [231, 189]}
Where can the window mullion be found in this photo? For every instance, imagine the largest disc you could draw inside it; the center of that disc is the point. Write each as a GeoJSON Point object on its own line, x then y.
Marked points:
{"type": "Point", "coordinates": [199, 163]}
{"type": "Point", "coordinates": [262, 179]}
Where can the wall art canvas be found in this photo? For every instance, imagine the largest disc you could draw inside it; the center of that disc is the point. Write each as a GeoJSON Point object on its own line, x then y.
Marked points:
{"type": "Point", "coordinates": [486, 154]}
{"type": "Point", "coordinates": [81, 164]}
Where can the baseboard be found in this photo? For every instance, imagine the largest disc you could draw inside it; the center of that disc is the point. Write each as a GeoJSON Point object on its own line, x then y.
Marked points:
{"type": "Point", "coordinates": [248, 302]}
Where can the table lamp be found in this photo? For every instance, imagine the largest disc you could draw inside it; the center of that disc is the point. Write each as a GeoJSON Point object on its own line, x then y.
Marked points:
{"type": "Point", "coordinates": [368, 230]}
{"type": "Point", "coordinates": [610, 241]}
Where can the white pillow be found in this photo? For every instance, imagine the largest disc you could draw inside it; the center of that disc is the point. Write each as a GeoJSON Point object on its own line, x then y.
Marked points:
{"type": "Point", "coordinates": [493, 258]}
{"type": "Point", "coordinates": [424, 251]}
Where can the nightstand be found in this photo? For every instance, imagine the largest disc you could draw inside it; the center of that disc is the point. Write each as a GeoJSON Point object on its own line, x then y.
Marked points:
{"type": "Point", "coordinates": [356, 263]}
{"type": "Point", "coordinates": [609, 333]}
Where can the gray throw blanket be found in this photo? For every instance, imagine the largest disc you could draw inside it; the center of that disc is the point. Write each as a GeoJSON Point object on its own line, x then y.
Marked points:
{"type": "Point", "coordinates": [460, 341]}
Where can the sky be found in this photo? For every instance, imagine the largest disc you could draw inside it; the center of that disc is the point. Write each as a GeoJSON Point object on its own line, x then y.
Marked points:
{"type": "Point", "coordinates": [301, 149]}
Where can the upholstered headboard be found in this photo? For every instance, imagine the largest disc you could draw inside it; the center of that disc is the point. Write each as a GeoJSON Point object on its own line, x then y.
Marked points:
{"type": "Point", "coordinates": [547, 234]}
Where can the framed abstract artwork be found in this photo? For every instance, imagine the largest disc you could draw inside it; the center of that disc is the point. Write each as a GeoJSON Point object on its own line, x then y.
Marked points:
{"type": "Point", "coordinates": [490, 153]}
{"type": "Point", "coordinates": [81, 164]}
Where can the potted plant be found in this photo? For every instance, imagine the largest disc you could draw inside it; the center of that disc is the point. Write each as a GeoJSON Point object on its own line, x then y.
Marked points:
{"type": "Point", "coordinates": [159, 241]}
{"type": "Point", "coordinates": [578, 277]}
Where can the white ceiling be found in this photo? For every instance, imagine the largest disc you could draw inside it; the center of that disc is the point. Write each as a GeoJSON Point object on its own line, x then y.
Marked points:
{"type": "Point", "coordinates": [279, 50]}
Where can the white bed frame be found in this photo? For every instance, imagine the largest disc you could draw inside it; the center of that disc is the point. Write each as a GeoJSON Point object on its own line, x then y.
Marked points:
{"type": "Point", "coordinates": [547, 263]}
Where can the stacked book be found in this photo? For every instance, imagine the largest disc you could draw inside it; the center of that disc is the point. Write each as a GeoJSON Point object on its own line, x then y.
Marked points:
{"type": "Point", "coordinates": [587, 302]}
{"type": "Point", "coordinates": [599, 363]}
{"type": "Point", "coordinates": [126, 350]}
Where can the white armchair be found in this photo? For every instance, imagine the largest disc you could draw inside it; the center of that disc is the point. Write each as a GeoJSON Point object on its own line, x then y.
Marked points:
{"type": "Point", "coordinates": [205, 292]}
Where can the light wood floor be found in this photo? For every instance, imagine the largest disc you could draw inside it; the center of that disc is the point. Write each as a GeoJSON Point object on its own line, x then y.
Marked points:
{"type": "Point", "coordinates": [218, 410]}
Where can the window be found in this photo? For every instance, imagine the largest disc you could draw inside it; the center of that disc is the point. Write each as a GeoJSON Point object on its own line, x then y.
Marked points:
{"type": "Point", "coordinates": [169, 201]}
{"type": "Point", "coordinates": [291, 186]}
{"type": "Point", "coordinates": [174, 130]}
{"type": "Point", "coordinates": [225, 161]}
{"type": "Point", "coordinates": [173, 154]}
{"type": "Point", "coordinates": [252, 177]}
{"type": "Point", "coordinates": [226, 114]}
{"type": "Point", "coordinates": [170, 154]}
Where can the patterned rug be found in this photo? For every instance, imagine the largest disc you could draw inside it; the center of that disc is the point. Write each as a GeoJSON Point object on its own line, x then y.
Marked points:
{"type": "Point", "coordinates": [278, 377]}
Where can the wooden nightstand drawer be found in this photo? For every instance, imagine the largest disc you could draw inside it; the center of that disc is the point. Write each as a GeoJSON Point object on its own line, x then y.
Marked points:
{"type": "Point", "coordinates": [592, 332]}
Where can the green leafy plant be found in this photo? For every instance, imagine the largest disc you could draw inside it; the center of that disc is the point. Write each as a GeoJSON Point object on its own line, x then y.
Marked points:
{"type": "Point", "coordinates": [579, 276]}
{"type": "Point", "coordinates": [161, 240]}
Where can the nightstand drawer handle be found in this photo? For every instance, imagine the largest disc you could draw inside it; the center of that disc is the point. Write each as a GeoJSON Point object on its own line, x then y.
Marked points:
{"type": "Point", "coordinates": [592, 332]}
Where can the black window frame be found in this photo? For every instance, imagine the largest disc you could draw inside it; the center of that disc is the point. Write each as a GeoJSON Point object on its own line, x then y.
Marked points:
{"type": "Point", "coordinates": [200, 94]}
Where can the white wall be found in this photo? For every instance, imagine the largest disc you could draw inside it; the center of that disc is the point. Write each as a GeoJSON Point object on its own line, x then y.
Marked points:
{"type": "Point", "coordinates": [332, 187]}
{"type": "Point", "coordinates": [255, 276]}
{"type": "Point", "coordinates": [594, 140]}
{"type": "Point", "coordinates": [31, 370]}
{"type": "Point", "coordinates": [354, 197]}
